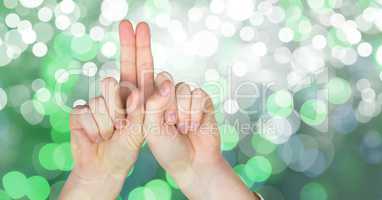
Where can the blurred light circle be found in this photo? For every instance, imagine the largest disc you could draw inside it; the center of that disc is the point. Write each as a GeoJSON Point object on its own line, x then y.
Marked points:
{"type": "Point", "coordinates": [159, 188]}
{"type": "Point", "coordinates": [10, 4]}
{"type": "Point", "coordinates": [137, 193]}
{"type": "Point", "coordinates": [45, 14]}
{"type": "Point", "coordinates": [240, 10]}
{"type": "Point", "coordinates": [163, 20]}
{"type": "Point", "coordinates": [262, 145]}
{"type": "Point", "coordinates": [31, 3]}
{"type": "Point", "coordinates": [38, 188]}
{"type": "Point", "coordinates": [280, 104]}
{"type": "Point", "coordinates": [29, 36]}
{"type": "Point", "coordinates": [15, 184]}
{"type": "Point", "coordinates": [114, 10]}
{"type": "Point", "coordinates": [43, 94]}
{"type": "Point", "coordinates": [78, 29]}
{"type": "Point", "coordinates": [37, 84]}
{"type": "Point", "coordinates": [364, 49]}
{"type": "Point", "coordinates": [229, 137]}
{"type": "Point", "coordinates": [300, 152]}
{"type": "Point", "coordinates": [227, 29]}
{"type": "Point", "coordinates": [217, 6]}
{"type": "Point", "coordinates": [67, 6]}
{"type": "Point", "coordinates": [339, 91]}
{"type": "Point", "coordinates": [316, 4]}
{"type": "Point", "coordinates": [282, 55]}
{"type": "Point", "coordinates": [44, 32]}
{"type": "Point", "coordinates": [61, 75]}
{"type": "Point", "coordinates": [308, 59]}
{"type": "Point", "coordinates": [231, 106]}
{"type": "Point", "coordinates": [258, 169]}
{"type": "Point", "coordinates": [362, 84]}
{"type": "Point", "coordinates": [40, 49]}
{"type": "Point", "coordinates": [371, 147]}
{"type": "Point", "coordinates": [89, 69]}
{"type": "Point", "coordinates": [259, 49]}
{"type": "Point", "coordinates": [30, 113]}
{"type": "Point", "coordinates": [257, 18]}
{"type": "Point", "coordinates": [195, 14]}
{"type": "Point", "coordinates": [24, 25]}
{"type": "Point", "coordinates": [212, 22]}
{"type": "Point", "coordinates": [275, 129]}
{"type": "Point", "coordinates": [240, 68]}
{"type": "Point", "coordinates": [62, 22]}
{"type": "Point", "coordinates": [313, 191]}
{"type": "Point", "coordinates": [277, 15]}
{"type": "Point", "coordinates": [378, 55]}
{"type": "Point", "coordinates": [62, 156]}
{"type": "Point", "coordinates": [97, 33]}
{"type": "Point", "coordinates": [46, 156]}
{"type": "Point", "coordinates": [313, 112]}
{"type": "Point", "coordinates": [4, 58]}
{"type": "Point", "coordinates": [319, 42]}
{"type": "Point", "coordinates": [204, 43]}
{"type": "Point", "coordinates": [350, 57]}
{"type": "Point", "coordinates": [343, 118]}
{"type": "Point", "coordinates": [12, 20]}
{"type": "Point", "coordinates": [247, 33]}
{"type": "Point", "coordinates": [211, 75]}
{"type": "Point", "coordinates": [286, 35]}
{"type": "Point", "coordinates": [109, 49]}
{"type": "Point", "coordinates": [368, 94]}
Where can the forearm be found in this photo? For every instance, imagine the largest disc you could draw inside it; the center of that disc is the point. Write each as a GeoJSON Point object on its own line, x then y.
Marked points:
{"type": "Point", "coordinates": [103, 188]}
{"type": "Point", "coordinates": [213, 181]}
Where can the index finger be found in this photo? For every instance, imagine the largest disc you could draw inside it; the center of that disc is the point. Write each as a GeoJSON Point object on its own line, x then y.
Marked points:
{"type": "Point", "coordinates": [127, 62]}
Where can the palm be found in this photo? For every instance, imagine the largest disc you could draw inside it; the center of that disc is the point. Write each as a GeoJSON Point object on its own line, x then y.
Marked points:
{"type": "Point", "coordinates": [116, 152]}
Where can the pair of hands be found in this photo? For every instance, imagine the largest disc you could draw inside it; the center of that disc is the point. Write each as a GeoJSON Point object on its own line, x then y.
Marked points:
{"type": "Point", "coordinates": [177, 123]}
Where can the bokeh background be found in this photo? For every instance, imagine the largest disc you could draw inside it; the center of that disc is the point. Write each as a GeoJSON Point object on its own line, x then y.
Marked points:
{"type": "Point", "coordinates": [296, 85]}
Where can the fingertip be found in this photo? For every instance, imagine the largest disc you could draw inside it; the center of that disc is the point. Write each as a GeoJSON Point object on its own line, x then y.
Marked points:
{"type": "Point", "coordinates": [143, 26]}
{"type": "Point", "coordinates": [125, 25]}
{"type": "Point", "coordinates": [165, 88]}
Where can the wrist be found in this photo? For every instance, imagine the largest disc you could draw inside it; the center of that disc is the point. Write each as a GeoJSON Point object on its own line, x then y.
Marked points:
{"type": "Point", "coordinates": [106, 186]}
{"type": "Point", "coordinates": [207, 180]}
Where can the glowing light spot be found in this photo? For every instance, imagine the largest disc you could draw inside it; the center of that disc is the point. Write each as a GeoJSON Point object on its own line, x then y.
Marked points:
{"type": "Point", "coordinates": [339, 91]}
{"type": "Point", "coordinates": [38, 188]}
{"type": "Point", "coordinates": [280, 103]}
{"type": "Point", "coordinates": [40, 49]}
{"type": "Point", "coordinates": [204, 43]}
{"type": "Point", "coordinates": [45, 14]}
{"type": "Point", "coordinates": [313, 112]}
{"type": "Point", "coordinates": [31, 3]}
{"type": "Point", "coordinates": [89, 69]}
{"type": "Point", "coordinates": [364, 49]}
{"type": "Point", "coordinates": [15, 184]}
{"type": "Point", "coordinates": [109, 49]}
{"type": "Point", "coordinates": [319, 42]}
{"type": "Point", "coordinates": [239, 10]}
{"type": "Point", "coordinates": [313, 191]}
{"type": "Point", "coordinates": [229, 137]}
{"type": "Point", "coordinates": [259, 49]}
{"type": "Point", "coordinates": [114, 10]}
{"type": "Point", "coordinates": [258, 169]}
{"type": "Point", "coordinates": [12, 20]}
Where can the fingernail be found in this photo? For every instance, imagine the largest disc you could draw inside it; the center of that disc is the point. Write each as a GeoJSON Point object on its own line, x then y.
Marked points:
{"type": "Point", "coordinates": [120, 124]}
{"type": "Point", "coordinates": [182, 128]}
{"type": "Point", "coordinates": [194, 126]}
{"type": "Point", "coordinates": [164, 90]}
{"type": "Point", "coordinates": [171, 117]}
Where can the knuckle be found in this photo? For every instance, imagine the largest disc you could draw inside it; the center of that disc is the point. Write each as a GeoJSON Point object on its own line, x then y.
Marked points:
{"type": "Point", "coordinates": [109, 80]}
{"type": "Point", "coordinates": [183, 87]}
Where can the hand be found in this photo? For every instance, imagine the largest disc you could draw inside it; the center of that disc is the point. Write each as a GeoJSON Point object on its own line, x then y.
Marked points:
{"type": "Point", "coordinates": [107, 133]}
{"type": "Point", "coordinates": [183, 135]}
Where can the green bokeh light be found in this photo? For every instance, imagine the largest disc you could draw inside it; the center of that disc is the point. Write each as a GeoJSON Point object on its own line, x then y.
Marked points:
{"type": "Point", "coordinates": [258, 169]}
{"type": "Point", "coordinates": [280, 104]}
{"type": "Point", "coordinates": [262, 145]}
{"type": "Point", "coordinates": [38, 188]}
{"type": "Point", "coordinates": [313, 191]}
{"type": "Point", "coordinates": [46, 156]}
{"type": "Point", "coordinates": [15, 184]}
{"type": "Point", "coordinates": [339, 91]}
{"type": "Point", "coordinates": [229, 137]}
{"type": "Point", "coordinates": [160, 189]}
{"type": "Point", "coordinates": [314, 112]}
{"type": "Point", "coordinates": [63, 157]}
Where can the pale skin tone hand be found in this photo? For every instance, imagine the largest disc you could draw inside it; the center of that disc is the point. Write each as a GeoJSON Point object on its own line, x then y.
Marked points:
{"type": "Point", "coordinates": [107, 133]}
{"type": "Point", "coordinates": [189, 147]}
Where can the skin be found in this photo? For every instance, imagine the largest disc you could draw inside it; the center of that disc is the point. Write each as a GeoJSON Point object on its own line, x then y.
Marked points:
{"type": "Point", "coordinates": [178, 124]}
